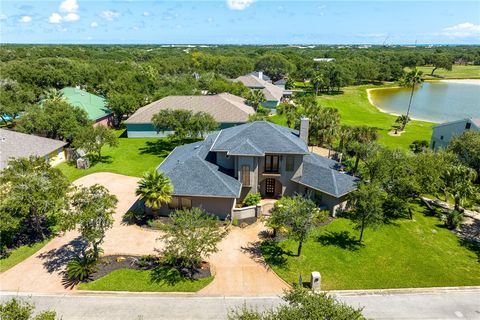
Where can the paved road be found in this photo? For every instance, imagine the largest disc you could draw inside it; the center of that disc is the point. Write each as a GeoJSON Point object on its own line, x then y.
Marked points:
{"type": "Point", "coordinates": [431, 304]}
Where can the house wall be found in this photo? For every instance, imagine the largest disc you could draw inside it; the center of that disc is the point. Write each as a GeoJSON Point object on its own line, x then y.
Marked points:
{"type": "Point", "coordinates": [147, 130]}
{"type": "Point", "coordinates": [105, 121]}
{"type": "Point", "coordinates": [271, 104]}
{"type": "Point", "coordinates": [56, 157]}
{"type": "Point", "coordinates": [252, 162]}
{"type": "Point", "coordinates": [225, 161]}
{"type": "Point", "coordinates": [442, 135]}
{"type": "Point", "coordinates": [333, 204]}
{"type": "Point", "coordinates": [221, 207]}
{"type": "Point", "coordinates": [288, 187]}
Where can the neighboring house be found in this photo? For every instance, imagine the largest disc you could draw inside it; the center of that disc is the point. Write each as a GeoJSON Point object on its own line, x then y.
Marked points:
{"type": "Point", "coordinates": [95, 106]}
{"type": "Point", "coordinates": [228, 110]}
{"type": "Point", "coordinates": [260, 156]}
{"type": "Point", "coordinates": [273, 94]}
{"type": "Point", "coordinates": [19, 145]}
{"type": "Point", "coordinates": [443, 133]}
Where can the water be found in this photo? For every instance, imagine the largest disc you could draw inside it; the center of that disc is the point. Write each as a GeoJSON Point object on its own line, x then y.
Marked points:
{"type": "Point", "coordinates": [439, 101]}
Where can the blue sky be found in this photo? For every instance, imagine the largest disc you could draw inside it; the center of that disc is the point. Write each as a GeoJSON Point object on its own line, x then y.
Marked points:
{"type": "Point", "coordinates": [240, 22]}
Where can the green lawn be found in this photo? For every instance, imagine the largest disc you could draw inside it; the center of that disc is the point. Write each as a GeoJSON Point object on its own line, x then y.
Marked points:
{"type": "Point", "coordinates": [418, 253]}
{"type": "Point", "coordinates": [355, 109]}
{"type": "Point", "coordinates": [458, 72]}
{"type": "Point", "coordinates": [20, 254]}
{"type": "Point", "coordinates": [132, 157]}
{"type": "Point", "coordinates": [140, 281]}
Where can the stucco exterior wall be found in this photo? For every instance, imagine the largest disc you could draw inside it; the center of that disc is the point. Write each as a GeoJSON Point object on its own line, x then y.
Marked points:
{"type": "Point", "coordinates": [284, 177]}
{"type": "Point", "coordinates": [105, 121]}
{"type": "Point", "coordinates": [443, 134]}
{"type": "Point", "coordinates": [221, 207]}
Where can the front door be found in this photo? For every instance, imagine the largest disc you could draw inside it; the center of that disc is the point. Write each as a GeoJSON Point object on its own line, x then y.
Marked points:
{"type": "Point", "coordinates": [270, 187]}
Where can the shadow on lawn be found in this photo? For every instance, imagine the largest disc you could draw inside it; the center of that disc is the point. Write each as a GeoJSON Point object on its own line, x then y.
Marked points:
{"type": "Point", "coordinates": [341, 239]}
{"type": "Point", "coordinates": [160, 147]}
{"type": "Point", "coordinates": [267, 253]}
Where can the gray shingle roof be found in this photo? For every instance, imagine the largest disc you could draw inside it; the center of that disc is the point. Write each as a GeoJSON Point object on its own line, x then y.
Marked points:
{"type": "Point", "coordinates": [271, 91]}
{"type": "Point", "coordinates": [259, 138]}
{"type": "Point", "coordinates": [320, 174]}
{"type": "Point", "coordinates": [224, 107]}
{"type": "Point", "coordinates": [192, 174]}
{"type": "Point", "coordinates": [18, 145]}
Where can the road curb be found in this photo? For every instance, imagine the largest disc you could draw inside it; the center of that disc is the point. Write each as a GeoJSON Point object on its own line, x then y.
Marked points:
{"type": "Point", "coordinates": [402, 291]}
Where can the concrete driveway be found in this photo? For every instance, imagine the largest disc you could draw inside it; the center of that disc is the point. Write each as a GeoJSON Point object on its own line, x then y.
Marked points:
{"type": "Point", "coordinates": [238, 268]}
{"type": "Point", "coordinates": [42, 272]}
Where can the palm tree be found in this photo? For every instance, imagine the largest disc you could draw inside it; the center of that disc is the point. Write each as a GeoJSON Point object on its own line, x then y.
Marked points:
{"type": "Point", "coordinates": [412, 79]}
{"type": "Point", "coordinates": [317, 80]}
{"type": "Point", "coordinates": [154, 189]}
{"type": "Point", "coordinates": [53, 94]}
{"type": "Point", "coordinates": [255, 99]}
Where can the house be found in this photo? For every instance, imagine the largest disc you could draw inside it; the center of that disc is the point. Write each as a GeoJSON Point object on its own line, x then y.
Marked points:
{"type": "Point", "coordinates": [95, 106]}
{"type": "Point", "coordinates": [260, 156]}
{"type": "Point", "coordinates": [261, 75]}
{"type": "Point", "coordinates": [443, 133]}
{"type": "Point", "coordinates": [19, 145]}
{"type": "Point", "coordinates": [227, 109]}
{"type": "Point", "coordinates": [273, 94]}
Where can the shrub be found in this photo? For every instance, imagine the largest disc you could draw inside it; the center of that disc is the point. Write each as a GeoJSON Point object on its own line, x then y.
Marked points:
{"type": "Point", "coordinates": [453, 219]}
{"type": "Point", "coordinates": [235, 221]}
{"type": "Point", "coordinates": [16, 309]}
{"type": "Point", "coordinates": [80, 268]}
{"type": "Point", "coordinates": [252, 199]}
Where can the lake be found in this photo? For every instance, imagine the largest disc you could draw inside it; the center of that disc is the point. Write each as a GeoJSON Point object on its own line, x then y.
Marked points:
{"type": "Point", "coordinates": [438, 101]}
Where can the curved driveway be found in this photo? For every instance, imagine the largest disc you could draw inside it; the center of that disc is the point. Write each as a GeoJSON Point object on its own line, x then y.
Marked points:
{"type": "Point", "coordinates": [238, 269]}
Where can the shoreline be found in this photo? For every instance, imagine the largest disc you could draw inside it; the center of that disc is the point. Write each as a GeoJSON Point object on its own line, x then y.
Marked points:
{"type": "Point", "coordinates": [370, 100]}
{"type": "Point", "coordinates": [475, 82]}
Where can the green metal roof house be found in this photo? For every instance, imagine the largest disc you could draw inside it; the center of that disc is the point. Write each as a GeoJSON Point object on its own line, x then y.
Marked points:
{"type": "Point", "coordinates": [95, 106]}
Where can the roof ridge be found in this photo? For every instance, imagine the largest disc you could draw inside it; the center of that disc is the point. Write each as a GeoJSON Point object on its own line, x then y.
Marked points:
{"type": "Point", "coordinates": [277, 128]}
{"type": "Point", "coordinates": [214, 172]}
{"type": "Point", "coordinates": [334, 179]}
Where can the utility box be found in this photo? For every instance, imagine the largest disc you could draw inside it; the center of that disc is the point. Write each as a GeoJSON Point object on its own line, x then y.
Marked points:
{"type": "Point", "coordinates": [316, 280]}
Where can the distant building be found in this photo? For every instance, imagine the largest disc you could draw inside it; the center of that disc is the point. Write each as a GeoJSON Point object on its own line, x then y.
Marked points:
{"type": "Point", "coordinates": [323, 59]}
{"type": "Point", "coordinates": [273, 94]}
{"type": "Point", "coordinates": [227, 109]}
{"type": "Point", "coordinates": [95, 106]}
{"type": "Point", "coordinates": [443, 133]}
{"type": "Point", "coordinates": [261, 75]}
{"type": "Point", "coordinates": [15, 145]}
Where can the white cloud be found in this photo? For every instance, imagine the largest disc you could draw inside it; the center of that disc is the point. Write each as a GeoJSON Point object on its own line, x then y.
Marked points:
{"type": "Point", "coordinates": [94, 24]}
{"type": "Point", "coordinates": [3, 17]}
{"type": "Point", "coordinates": [69, 6]}
{"type": "Point", "coordinates": [26, 19]}
{"type": "Point", "coordinates": [462, 30]}
{"type": "Point", "coordinates": [71, 17]}
{"type": "Point", "coordinates": [55, 18]}
{"type": "Point", "coordinates": [239, 4]}
{"type": "Point", "coordinates": [109, 15]}
{"type": "Point", "coordinates": [146, 13]}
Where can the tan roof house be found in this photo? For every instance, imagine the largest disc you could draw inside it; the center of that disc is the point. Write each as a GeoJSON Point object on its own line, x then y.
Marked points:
{"type": "Point", "coordinates": [15, 145]}
{"type": "Point", "coordinates": [227, 109]}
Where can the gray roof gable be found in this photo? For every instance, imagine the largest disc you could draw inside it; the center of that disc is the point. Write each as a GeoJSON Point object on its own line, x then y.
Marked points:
{"type": "Point", "coordinates": [192, 174]}
{"type": "Point", "coordinates": [19, 145]}
{"type": "Point", "coordinates": [263, 137]}
{"type": "Point", "coordinates": [320, 173]}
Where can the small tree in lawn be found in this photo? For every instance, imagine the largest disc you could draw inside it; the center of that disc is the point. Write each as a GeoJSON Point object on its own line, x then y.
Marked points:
{"type": "Point", "coordinates": [459, 182]}
{"type": "Point", "coordinates": [92, 212]}
{"type": "Point", "coordinates": [93, 139]}
{"type": "Point", "coordinates": [255, 98]}
{"type": "Point", "coordinates": [192, 235]}
{"type": "Point", "coordinates": [367, 202]}
{"type": "Point", "coordinates": [296, 214]}
{"type": "Point", "coordinates": [154, 189]}
{"type": "Point", "coordinates": [184, 123]}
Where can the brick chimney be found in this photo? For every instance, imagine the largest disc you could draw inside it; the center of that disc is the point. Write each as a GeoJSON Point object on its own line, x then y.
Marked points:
{"type": "Point", "coordinates": [304, 126]}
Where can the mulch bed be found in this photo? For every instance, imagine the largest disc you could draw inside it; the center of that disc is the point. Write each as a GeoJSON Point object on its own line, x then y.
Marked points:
{"type": "Point", "coordinates": [109, 264]}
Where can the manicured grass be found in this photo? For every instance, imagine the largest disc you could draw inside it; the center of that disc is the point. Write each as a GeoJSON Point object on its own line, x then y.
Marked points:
{"type": "Point", "coordinates": [132, 157]}
{"type": "Point", "coordinates": [458, 72]}
{"type": "Point", "coordinates": [20, 254]}
{"type": "Point", "coordinates": [140, 281]}
{"type": "Point", "coordinates": [355, 109]}
{"type": "Point", "coordinates": [405, 253]}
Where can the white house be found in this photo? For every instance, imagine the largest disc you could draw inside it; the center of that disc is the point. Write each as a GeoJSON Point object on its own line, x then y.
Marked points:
{"type": "Point", "coordinates": [443, 133]}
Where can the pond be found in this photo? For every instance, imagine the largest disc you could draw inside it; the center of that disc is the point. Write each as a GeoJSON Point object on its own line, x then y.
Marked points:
{"type": "Point", "coordinates": [438, 101]}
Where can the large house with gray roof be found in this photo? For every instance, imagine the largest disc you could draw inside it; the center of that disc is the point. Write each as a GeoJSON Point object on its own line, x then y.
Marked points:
{"type": "Point", "coordinates": [227, 109]}
{"type": "Point", "coordinates": [217, 173]}
{"type": "Point", "coordinates": [14, 145]}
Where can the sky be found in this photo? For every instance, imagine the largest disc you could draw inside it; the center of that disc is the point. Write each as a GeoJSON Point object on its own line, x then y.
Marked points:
{"type": "Point", "coordinates": [239, 22]}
